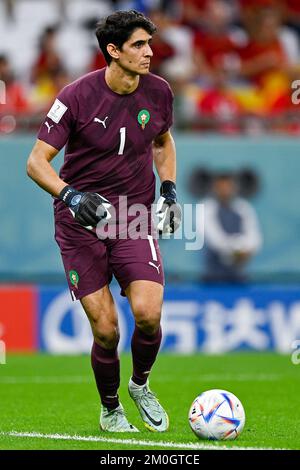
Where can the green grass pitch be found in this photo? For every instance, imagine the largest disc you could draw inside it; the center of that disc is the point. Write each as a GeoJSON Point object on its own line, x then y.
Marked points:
{"type": "Point", "coordinates": [57, 395]}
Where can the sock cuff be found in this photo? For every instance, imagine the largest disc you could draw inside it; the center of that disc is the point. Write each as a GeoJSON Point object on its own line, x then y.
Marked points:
{"type": "Point", "coordinates": [103, 353]}
{"type": "Point", "coordinates": [145, 336]}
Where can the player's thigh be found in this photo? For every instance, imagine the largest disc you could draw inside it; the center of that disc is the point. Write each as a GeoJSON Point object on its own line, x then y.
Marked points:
{"type": "Point", "coordinates": [101, 311]}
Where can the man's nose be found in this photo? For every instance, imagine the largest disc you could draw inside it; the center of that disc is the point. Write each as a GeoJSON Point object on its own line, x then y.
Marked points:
{"type": "Point", "coordinates": [148, 51]}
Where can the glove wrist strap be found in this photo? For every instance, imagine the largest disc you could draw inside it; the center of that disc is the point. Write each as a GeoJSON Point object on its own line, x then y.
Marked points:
{"type": "Point", "coordinates": [168, 186]}
{"type": "Point", "coordinates": [67, 194]}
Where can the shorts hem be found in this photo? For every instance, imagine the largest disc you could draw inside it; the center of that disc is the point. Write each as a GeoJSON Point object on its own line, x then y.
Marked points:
{"type": "Point", "coordinates": [122, 292]}
{"type": "Point", "coordinates": [88, 291]}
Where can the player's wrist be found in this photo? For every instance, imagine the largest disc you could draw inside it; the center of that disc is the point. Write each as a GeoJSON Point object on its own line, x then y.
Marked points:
{"type": "Point", "coordinates": [69, 196]}
{"type": "Point", "coordinates": [168, 190]}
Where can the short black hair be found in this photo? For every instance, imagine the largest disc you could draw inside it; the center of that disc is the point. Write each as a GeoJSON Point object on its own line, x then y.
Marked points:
{"type": "Point", "coordinates": [118, 27]}
{"type": "Point", "coordinates": [225, 175]}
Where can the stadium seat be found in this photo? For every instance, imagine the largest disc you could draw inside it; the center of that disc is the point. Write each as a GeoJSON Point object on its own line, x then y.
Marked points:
{"type": "Point", "coordinates": [75, 47]}
{"type": "Point", "coordinates": [79, 10]}
{"type": "Point", "coordinates": [44, 13]}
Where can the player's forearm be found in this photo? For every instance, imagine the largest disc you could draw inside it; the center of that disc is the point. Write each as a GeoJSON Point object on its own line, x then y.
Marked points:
{"type": "Point", "coordinates": [41, 171]}
{"type": "Point", "coordinates": [164, 154]}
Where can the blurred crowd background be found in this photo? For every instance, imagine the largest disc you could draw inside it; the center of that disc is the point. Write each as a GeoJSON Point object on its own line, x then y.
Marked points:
{"type": "Point", "coordinates": [231, 63]}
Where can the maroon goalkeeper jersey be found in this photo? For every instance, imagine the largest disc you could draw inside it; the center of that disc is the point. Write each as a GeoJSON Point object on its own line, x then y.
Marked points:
{"type": "Point", "coordinates": [108, 136]}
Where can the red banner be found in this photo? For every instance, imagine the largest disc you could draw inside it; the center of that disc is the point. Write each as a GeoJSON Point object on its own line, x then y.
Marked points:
{"type": "Point", "coordinates": [18, 317]}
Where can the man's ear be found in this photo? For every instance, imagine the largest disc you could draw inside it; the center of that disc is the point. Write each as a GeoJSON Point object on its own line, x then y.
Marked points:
{"type": "Point", "coordinates": [113, 51]}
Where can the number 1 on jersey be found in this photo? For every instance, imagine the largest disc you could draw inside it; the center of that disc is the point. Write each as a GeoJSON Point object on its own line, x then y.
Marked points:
{"type": "Point", "coordinates": [122, 140]}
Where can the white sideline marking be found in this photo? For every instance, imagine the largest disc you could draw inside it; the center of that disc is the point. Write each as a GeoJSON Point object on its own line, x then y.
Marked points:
{"type": "Point", "coordinates": [229, 377]}
{"type": "Point", "coordinates": [88, 379]}
{"type": "Point", "coordinates": [136, 442]}
{"type": "Point", "coordinates": [47, 380]}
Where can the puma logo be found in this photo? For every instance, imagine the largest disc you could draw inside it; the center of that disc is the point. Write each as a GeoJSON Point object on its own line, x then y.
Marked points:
{"type": "Point", "coordinates": [48, 126]}
{"type": "Point", "coordinates": [154, 265]}
{"type": "Point", "coordinates": [101, 122]}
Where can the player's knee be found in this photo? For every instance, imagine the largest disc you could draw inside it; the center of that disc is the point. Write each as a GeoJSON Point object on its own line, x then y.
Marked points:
{"type": "Point", "coordinates": [108, 337]}
{"type": "Point", "coordinates": [148, 326]}
{"type": "Point", "coordinates": [147, 319]}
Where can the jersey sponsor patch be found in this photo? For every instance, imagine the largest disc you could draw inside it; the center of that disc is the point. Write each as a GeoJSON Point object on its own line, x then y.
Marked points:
{"type": "Point", "coordinates": [57, 111]}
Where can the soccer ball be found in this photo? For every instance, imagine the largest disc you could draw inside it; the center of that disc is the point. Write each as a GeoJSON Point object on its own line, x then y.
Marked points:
{"type": "Point", "coordinates": [217, 415]}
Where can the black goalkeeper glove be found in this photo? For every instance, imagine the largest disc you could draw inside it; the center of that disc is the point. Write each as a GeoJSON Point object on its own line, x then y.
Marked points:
{"type": "Point", "coordinates": [167, 210]}
{"type": "Point", "coordinates": [87, 208]}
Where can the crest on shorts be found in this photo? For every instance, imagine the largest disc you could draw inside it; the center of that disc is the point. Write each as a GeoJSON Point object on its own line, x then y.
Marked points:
{"type": "Point", "coordinates": [143, 117]}
{"type": "Point", "coordinates": [74, 278]}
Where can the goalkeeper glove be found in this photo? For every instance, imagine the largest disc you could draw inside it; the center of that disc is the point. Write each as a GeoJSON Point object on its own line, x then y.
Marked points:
{"type": "Point", "coordinates": [87, 208]}
{"type": "Point", "coordinates": [168, 211]}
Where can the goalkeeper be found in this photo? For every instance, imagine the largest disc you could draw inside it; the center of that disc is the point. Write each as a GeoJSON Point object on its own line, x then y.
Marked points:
{"type": "Point", "coordinates": [114, 123]}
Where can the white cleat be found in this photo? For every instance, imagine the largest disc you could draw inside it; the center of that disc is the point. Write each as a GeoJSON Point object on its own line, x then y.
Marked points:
{"type": "Point", "coordinates": [154, 416]}
{"type": "Point", "coordinates": [115, 420]}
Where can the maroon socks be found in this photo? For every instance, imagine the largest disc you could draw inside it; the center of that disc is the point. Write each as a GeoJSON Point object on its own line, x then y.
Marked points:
{"type": "Point", "coordinates": [106, 366]}
{"type": "Point", "coordinates": [144, 349]}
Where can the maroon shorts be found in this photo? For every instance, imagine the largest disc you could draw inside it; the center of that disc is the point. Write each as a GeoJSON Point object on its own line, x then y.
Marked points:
{"type": "Point", "coordinates": [90, 262]}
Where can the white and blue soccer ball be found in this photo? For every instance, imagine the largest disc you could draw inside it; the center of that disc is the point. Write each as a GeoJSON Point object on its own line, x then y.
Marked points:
{"type": "Point", "coordinates": [217, 415]}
